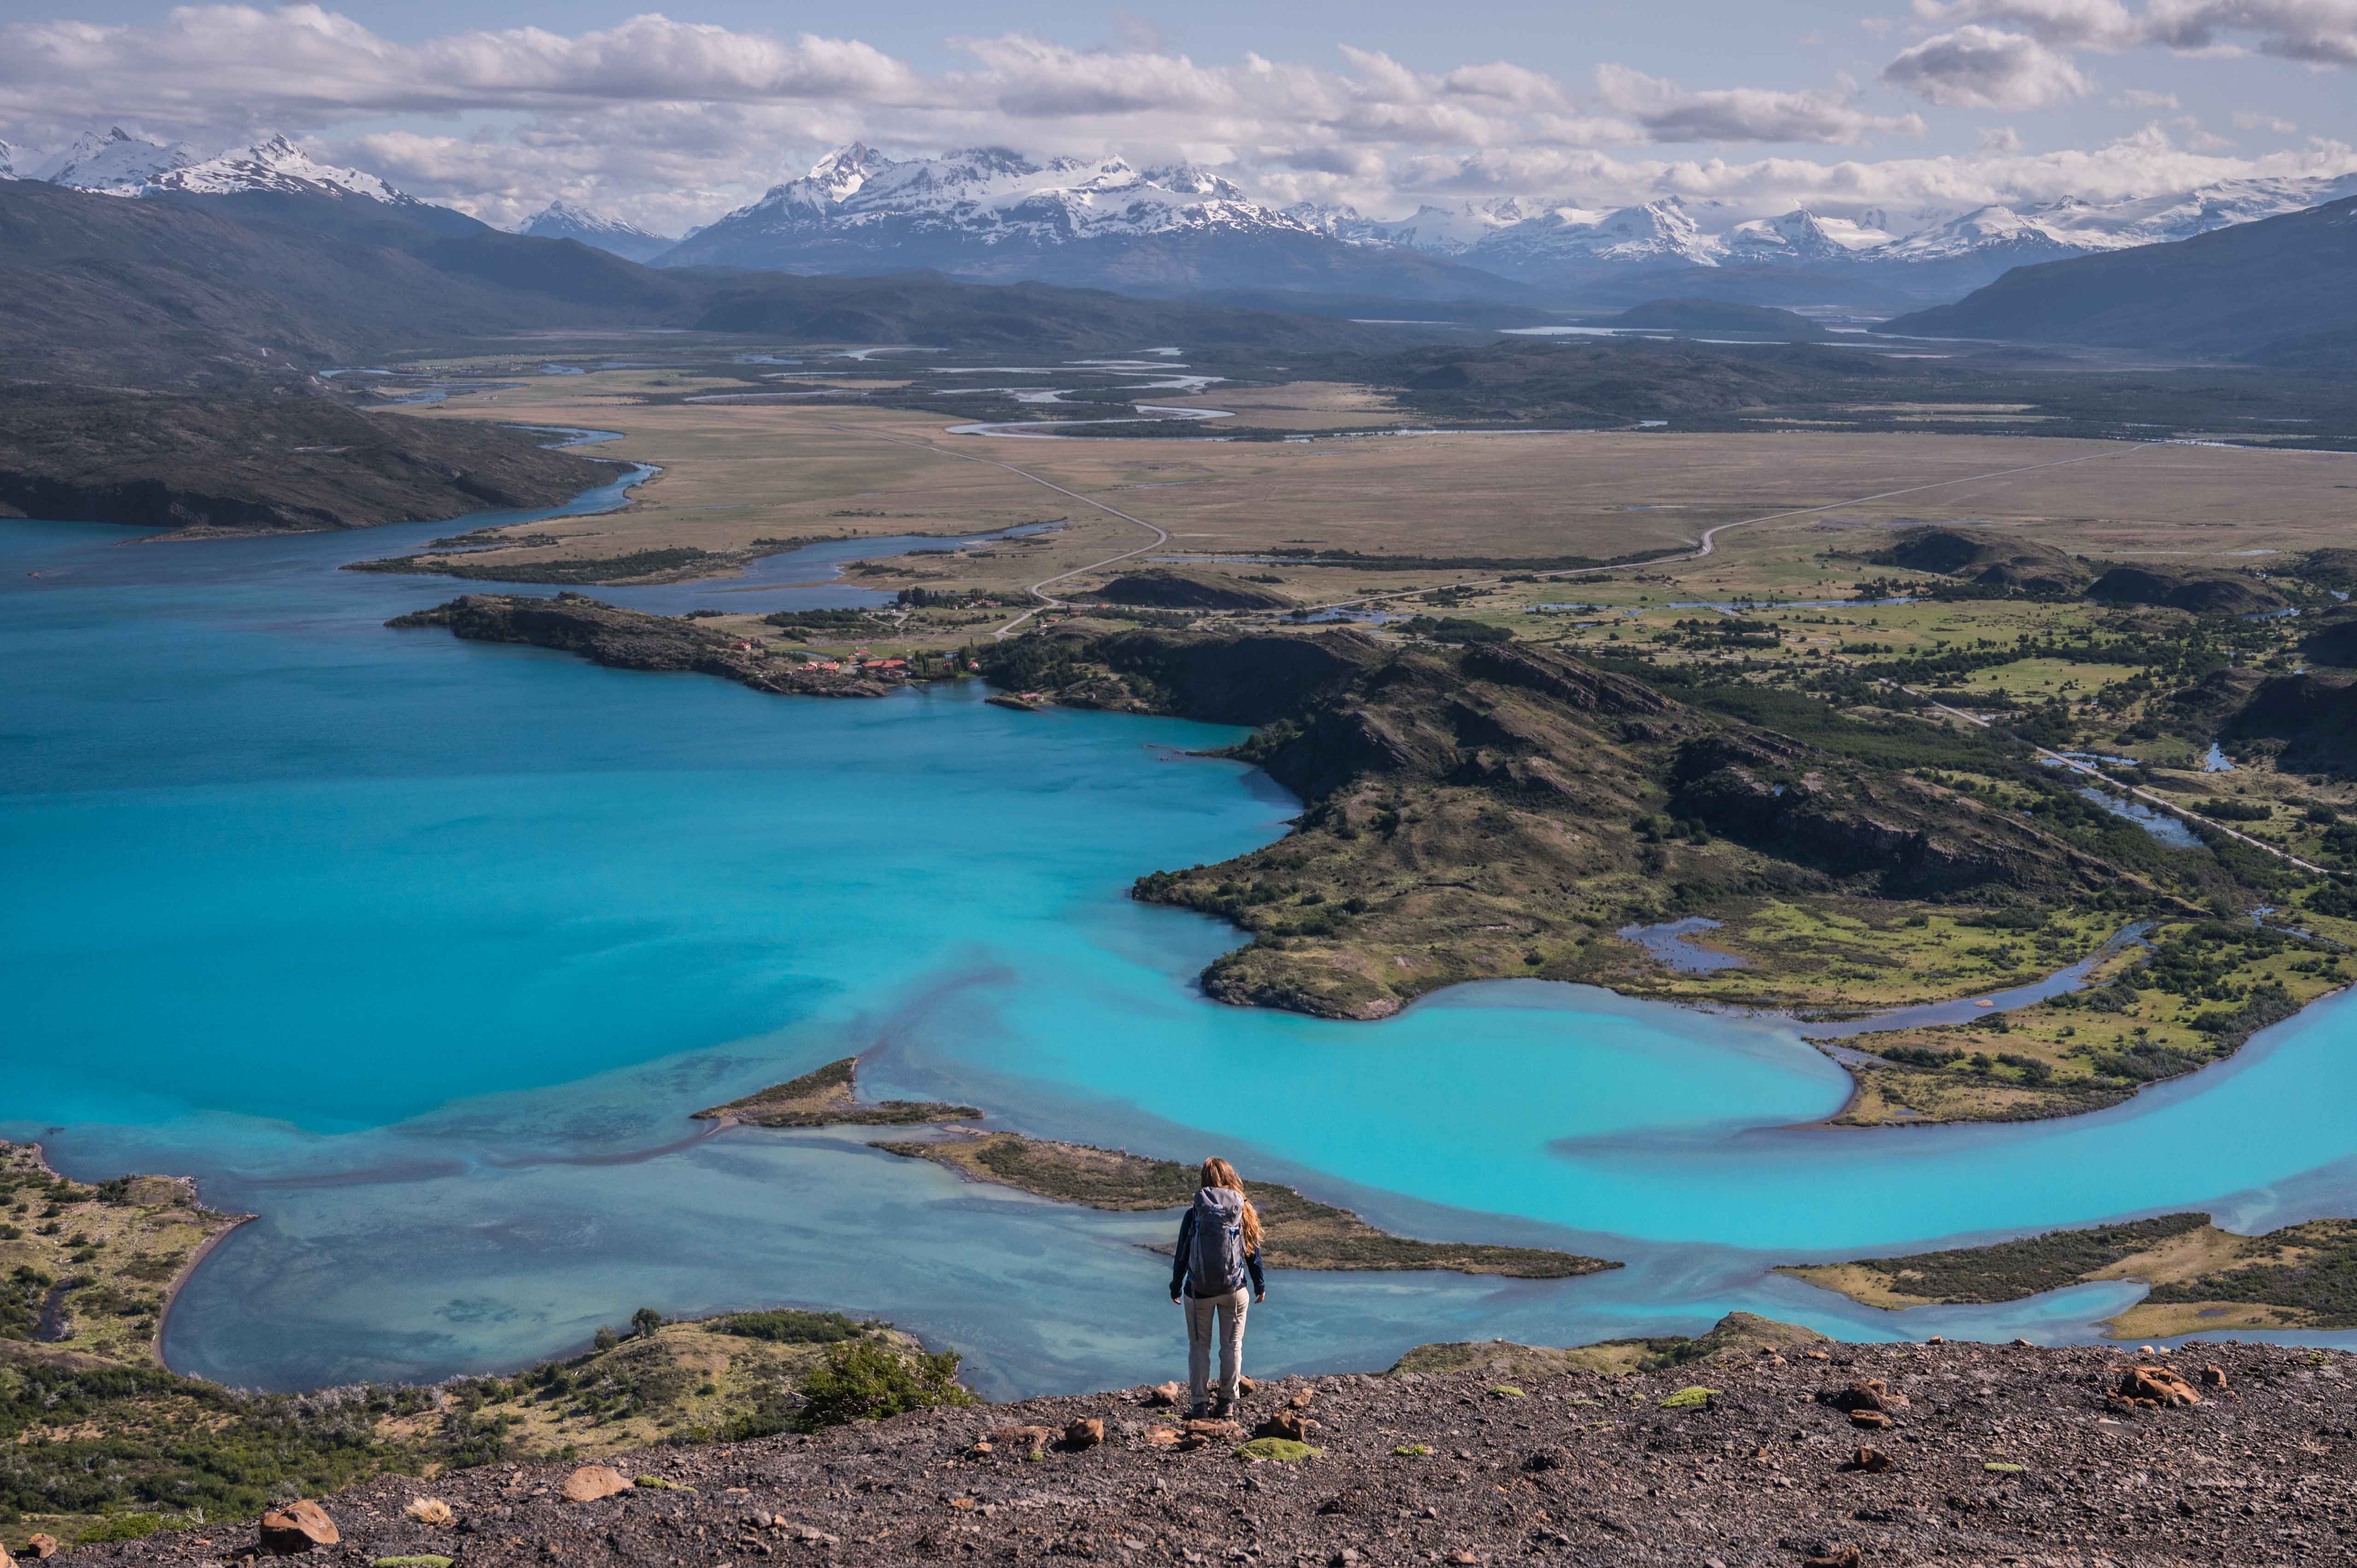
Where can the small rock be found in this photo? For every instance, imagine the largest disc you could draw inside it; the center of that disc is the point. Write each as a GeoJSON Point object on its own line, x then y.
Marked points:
{"type": "Point", "coordinates": [1084, 1434]}
{"type": "Point", "coordinates": [1211, 1431]}
{"type": "Point", "coordinates": [1246, 1387]}
{"type": "Point", "coordinates": [1289, 1425]}
{"type": "Point", "coordinates": [1303, 1397]}
{"type": "Point", "coordinates": [1935, 1339]}
{"type": "Point", "coordinates": [2020, 1344]}
{"type": "Point", "coordinates": [1815, 1356]}
{"type": "Point", "coordinates": [1868, 1419]}
{"type": "Point", "coordinates": [1873, 1461]}
{"type": "Point", "coordinates": [981, 1449]}
{"type": "Point", "coordinates": [1346, 1558]}
{"type": "Point", "coordinates": [1462, 1555]}
{"type": "Point", "coordinates": [1544, 1459]}
{"type": "Point", "coordinates": [590, 1482]}
{"type": "Point", "coordinates": [1165, 1394]}
{"type": "Point", "coordinates": [429, 1510]}
{"type": "Point", "coordinates": [2213, 1376]}
{"type": "Point", "coordinates": [1840, 1557]}
{"type": "Point", "coordinates": [298, 1527]}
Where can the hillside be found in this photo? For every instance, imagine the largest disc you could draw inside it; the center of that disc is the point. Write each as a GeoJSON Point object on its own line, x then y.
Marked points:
{"type": "Point", "coordinates": [173, 293]}
{"type": "Point", "coordinates": [2279, 291]}
{"type": "Point", "coordinates": [1754, 1445]}
{"type": "Point", "coordinates": [1490, 810]}
{"type": "Point", "coordinates": [226, 465]}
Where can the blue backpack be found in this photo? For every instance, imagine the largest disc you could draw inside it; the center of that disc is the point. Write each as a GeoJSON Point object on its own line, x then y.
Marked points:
{"type": "Point", "coordinates": [1215, 1265]}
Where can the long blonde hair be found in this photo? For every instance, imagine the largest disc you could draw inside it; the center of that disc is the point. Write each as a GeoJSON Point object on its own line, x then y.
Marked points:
{"type": "Point", "coordinates": [1217, 1172]}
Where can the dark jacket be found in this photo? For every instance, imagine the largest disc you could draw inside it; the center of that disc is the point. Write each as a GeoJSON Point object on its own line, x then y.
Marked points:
{"type": "Point", "coordinates": [1186, 1250]}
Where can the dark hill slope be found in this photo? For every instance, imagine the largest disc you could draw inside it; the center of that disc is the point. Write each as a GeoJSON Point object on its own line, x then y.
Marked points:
{"type": "Point", "coordinates": [2283, 290]}
{"type": "Point", "coordinates": [218, 463]}
{"type": "Point", "coordinates": [1557, 382]}
{"type": "Point", "coordinates": [160, 293]}
{"type": "Point", "coordinates": [944, 312]}
{"type": "Point", "coordinates": [1989, 557]}
{"type": "Point", "coordinates": [1482, 812]}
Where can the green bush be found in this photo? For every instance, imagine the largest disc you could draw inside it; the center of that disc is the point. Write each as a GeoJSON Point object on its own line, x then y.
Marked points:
{"type": "Point", "coordinates": [788, 1327]}
{"type": "Point", "coordinates": [122, 1527]}
{"type": "Point", "coordinates": [866, 1379]}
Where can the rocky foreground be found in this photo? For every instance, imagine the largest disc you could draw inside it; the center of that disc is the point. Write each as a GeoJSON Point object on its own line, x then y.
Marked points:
{"type": "Point", "coordinates": [1832, 1455]}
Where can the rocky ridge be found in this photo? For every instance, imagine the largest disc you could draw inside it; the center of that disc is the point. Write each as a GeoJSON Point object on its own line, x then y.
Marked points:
{"type": "Point", "coordinates": [633, 640]}
{"type": "Point", "coordinates": [1768, 1451]}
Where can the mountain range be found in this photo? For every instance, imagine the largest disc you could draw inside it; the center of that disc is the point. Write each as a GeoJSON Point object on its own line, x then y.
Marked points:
{"type": "Point", "coordinates": [2278, 291]}
{"type": "Point", "coordinates": [992, 215]}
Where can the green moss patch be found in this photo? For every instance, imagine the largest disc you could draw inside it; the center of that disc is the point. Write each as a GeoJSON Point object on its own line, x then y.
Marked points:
{"type": "Point", "coordinates": [1692, 1397]}
{"type": "Point", "coordinates": [1280, 1450]}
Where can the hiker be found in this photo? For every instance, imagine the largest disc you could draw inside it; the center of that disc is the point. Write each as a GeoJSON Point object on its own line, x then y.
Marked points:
{"type": "Point", "coordinates": [1219, 1247]}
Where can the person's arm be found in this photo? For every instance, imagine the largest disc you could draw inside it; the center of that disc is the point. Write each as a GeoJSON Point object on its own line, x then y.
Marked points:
{"type": "Point", "coordinates": [1251, 1261]}
{"type": "Point", "coordinates": [1178, 1258]}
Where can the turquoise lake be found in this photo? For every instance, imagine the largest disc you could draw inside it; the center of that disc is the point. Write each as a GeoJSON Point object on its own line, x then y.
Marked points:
{"type": "Point", "coordinates": [421, 951]}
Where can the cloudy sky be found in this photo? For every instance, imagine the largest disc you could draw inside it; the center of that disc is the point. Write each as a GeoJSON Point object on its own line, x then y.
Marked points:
{"type": "Point", "coordinates": [1854, 107]}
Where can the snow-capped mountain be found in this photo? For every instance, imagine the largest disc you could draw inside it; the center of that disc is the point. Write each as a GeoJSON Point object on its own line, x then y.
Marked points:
{"type": "Point", "coordinates": [275, 165]}
{"type": "Point", "coordinates": [986, 194]}
{"type": "Point", "coordinates": [112, 162]}
{"type": "Point", "coordinates": [10, 157]}
{"type": "Point", "coordinates": [1801, 236]}
{"type": "Point", "coordinates": [563, 220]}
{"type": "Point", "coordinates": [991, 214]}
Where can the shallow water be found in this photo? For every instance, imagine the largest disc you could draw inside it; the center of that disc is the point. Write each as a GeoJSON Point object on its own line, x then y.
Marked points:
{"type": "Point", "coordinates": [422, 949]}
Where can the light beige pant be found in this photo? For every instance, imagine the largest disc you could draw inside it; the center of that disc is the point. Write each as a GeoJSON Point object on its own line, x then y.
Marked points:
{"type": "Point", "coordinates": [1230, 1311]}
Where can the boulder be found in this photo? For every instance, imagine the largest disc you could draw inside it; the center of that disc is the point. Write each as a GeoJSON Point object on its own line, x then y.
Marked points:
{"type": "Point", "coordinates": [429, 1510]}
{"type": "Point", "coordinates": [1867, 1393]}
{"type": "Point", "coordinates": [298, 1526]}
{"type": "Point", "coordinates": [2156, 1384]}
{"type": "Point", "coordinates": [1212, 1431]}
{"type": "Point", "coordinates": [2213, 1376]}
{"type": "Point", "coordinates": [1032, 1439]}
{"type": "Point", "coordinates": [590, 1482]}
{"type": "Point", "coordinates": [41, 1544]}
{"type": "Point", "coordinates": [1164, 1394]}
{"type": "Point", "coordinates": [1085, 1433]}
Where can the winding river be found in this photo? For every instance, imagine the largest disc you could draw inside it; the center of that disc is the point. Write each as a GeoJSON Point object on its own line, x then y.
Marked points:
{"type": "Point", "coordinates": [422, 949]}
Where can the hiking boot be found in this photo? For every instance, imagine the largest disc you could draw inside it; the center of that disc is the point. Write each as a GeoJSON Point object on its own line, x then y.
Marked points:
{"type": "Point", "coordinates": [1196, 1411]}
{"type": "Point", "coordinates": [1220, 1408]}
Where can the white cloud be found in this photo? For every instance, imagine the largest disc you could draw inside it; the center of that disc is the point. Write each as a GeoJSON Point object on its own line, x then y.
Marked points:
{"type": "Point", "coordinates": [670, 123]}
{"type": "Point", "coordinates": [2320, 32]}
{"type": "Point", "coordinates": [2252, 120]}
{"type": "Point", "coordinates": [1674, 113]}
{"type": "Point", "coordinates": [1982, 67]}
{"type": "Point", "coordinates": [2139, 98]}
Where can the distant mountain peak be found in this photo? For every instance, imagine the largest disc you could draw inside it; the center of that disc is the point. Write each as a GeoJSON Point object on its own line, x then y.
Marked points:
{"type": "Point", "coordinates": [275, 165]}
{"type": "Point", "coordinates": [112, 161]}
{"type": "Point", "coordinates": [566, 221]}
